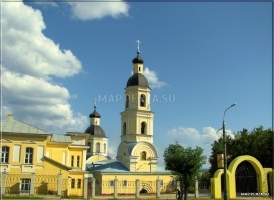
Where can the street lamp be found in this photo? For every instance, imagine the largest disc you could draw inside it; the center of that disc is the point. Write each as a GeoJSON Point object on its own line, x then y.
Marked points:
{"type": "Point", "coordinates": [225, 160]}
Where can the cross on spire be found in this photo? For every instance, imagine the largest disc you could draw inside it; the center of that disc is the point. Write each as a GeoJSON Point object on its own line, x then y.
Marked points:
{"type": "Point", "coordinates": [95, 103]}
{"type": "Point", "coordinates": [138, 45]}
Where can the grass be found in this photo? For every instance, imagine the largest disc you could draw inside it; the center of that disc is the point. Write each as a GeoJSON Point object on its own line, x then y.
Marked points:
{"type": "Point", "coordinates": [32, 197]}
{"type": "Point", "coordinates": [21, 197]}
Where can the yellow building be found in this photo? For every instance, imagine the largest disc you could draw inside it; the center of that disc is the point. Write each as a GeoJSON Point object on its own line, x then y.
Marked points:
{"type": "Point", "coordinates": [137, 157]}
{"type": "Point", "coordinates": [37, 162]}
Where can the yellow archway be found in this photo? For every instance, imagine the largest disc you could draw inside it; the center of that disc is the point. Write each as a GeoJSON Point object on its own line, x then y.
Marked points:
{"type": "Point", "coordinates": [231, 183]}
{"type": "Point", "coordinates": [258, 168]}
{"type": "Point", "coordinates": [271, 181]}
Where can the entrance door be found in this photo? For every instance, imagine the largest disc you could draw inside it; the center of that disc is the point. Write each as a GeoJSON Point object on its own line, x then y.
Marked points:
{"type": "Point", "coordinates": [246, 178]}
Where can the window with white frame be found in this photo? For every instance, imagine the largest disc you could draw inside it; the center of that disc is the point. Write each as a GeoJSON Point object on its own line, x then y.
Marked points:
{"type": "Point", "coordinates": [111, 183]}
{"type": "Point", "coordinates": [72, 183]}
{"type": "Point", "coordinates": [5, 154]}
{"type": "Point", "coordinates": [25, 185]}
{"type": "Point", "coordinates": [78, 183]}
{"type": "Point", "coordinates": [29, 155]}
{"type": "Point", "coordinates": [72, 161]}
{"type": "Point", "coordinates": [78, 161]}
{"type": "Point", "coordinates": [105, 148]}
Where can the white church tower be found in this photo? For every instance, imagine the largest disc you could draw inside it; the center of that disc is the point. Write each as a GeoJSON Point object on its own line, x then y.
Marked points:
{"type": "Point", "coordinates": [97, 142]}
{"type": "Point", "coordinates": [136, 150]}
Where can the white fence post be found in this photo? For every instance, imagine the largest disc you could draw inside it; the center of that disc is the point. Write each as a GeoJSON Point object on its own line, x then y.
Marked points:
{"type": "Point", "coordinates": [59, 186]}
{"type": "Point", "coordinates": [32, 183]}
{"type": "Point", "coordinates": [115, 187]}
{"type": "Point", "coordinates": [137, 192]}
{"type": "Point", "coordinates": [158, 188]}
{"type": "Point", "coordinates": [196, 189]}
{"type": "Point", "coordinates": [3, 183]}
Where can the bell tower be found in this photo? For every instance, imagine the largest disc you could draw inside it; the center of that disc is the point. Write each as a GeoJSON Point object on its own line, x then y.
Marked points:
{"type": "Point", "coordinates": [136, 150]}
{"type": "Point", "coordinates": [137, 118]}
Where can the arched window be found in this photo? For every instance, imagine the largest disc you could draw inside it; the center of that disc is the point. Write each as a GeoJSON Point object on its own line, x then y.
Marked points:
{"type": "Point", "coordinates": [142, 100]}
{"type": "Point", "coordinates": [89, 149]}
{"type": "Point", "coordinates": [143, 128]}
{"type": "Point", "coordinates": [143, 155]}
{"type": "Point", "coordinates": [124, 128]}
{"type": "Point", "coordinates": [97, 147]}
{"type": "Point", "coordinates": [105, 148]}
{"type": "Point", "coordinates": [5, 154]}
{"type": "Point", "coordinates": [127, 101]}
{"type": "Point", "coordinates": [29, 155]}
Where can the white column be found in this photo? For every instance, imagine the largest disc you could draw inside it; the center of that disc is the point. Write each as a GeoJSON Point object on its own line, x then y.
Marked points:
{"type": "Point", "coordinates": [84, 159]}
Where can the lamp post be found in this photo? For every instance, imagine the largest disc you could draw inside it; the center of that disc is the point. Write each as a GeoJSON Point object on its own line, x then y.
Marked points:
{"type": "Point", "coordinates": [225, 159]}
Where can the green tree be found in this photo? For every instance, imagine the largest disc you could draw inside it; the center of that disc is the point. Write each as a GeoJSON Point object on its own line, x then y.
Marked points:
{"type": "Point", "coordinates": [185, 163]}
{"type": "Point", "coordinates": [257, 143]}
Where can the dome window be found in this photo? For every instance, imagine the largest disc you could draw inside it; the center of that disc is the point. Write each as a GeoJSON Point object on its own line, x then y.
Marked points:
{"type": "Point", "coordinates": [142, 100]}
{"type": "Point", "coordinates": [143, 155]}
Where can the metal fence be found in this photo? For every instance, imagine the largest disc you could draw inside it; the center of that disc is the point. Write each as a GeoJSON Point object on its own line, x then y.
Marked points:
{"type": "Point", "coordinates": [148, 188]}
{"type": "Point", "coordinates": [25, 184]}
{"type": "Point", "coordinates": [104, 188]}
{"type": "Point", "coordinates": [126, 188]}
{"type": "Point", "coordinates": [18, 183]}
{"type": "Point", "coordinates": [46, 184]}
{"type": "Point", "coordinates": [65, 186]}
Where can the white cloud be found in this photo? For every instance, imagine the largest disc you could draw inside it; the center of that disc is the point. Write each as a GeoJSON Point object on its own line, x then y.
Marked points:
{"type": "Point", "coordinates": [30, 61]}
{"type": "Point", "coordinates": [46, 3]}
{"type": "Point", "coordinates": [25, 48]}
{"type": "Point", "coordinates": [112, 152]}
{"type": "Point", "coordinates": [98, 9]}
{"type": "Point", "coordinates": [153, 79]}
{"type": "Point", "coordinates": [39, 103]}
{"type": "Point", "coordinates": [191, 137]}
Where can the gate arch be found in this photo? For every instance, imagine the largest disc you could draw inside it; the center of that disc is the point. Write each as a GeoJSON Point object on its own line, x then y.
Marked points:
{"type": "Point", "coordinates": [246, 178]}
{"type": "Point", "coordinates": [233, 167]}
{"type": "Point", "coordinates": [262, 186]}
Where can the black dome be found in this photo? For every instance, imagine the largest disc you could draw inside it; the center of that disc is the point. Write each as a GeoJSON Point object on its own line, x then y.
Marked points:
{"type": "Point", "coordinates": [137, 79]}
{"type": "Point", "coordinates": [95, 130]}
{"type": "Point", "coordinates": [138, 59]}
{"type": "Point", "coordinates": [95, 114]}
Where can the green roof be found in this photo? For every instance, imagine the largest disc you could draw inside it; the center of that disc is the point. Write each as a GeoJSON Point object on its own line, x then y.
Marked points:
{"type": "Point", "coordinates": [11, 125]}
{"type": "Point", "coordinates": [60, 138]}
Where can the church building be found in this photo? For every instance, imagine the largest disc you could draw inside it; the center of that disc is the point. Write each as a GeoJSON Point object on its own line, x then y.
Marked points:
{"type": "Point", "coordinates": [137, 157]}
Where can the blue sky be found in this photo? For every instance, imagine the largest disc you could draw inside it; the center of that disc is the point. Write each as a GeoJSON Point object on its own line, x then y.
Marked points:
{"type": "Point", "coordinates": [201, 56]}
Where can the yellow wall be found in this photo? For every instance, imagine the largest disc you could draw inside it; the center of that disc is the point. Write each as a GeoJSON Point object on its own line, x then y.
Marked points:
{"type": "Point", "coordinates": [78, 190]}
{"type": "Point", "coordinates": [55, 152]}
{"type": "Point", "coordinates": [45, 167]}
{"type": "Point", "coordinates": [23, 142]}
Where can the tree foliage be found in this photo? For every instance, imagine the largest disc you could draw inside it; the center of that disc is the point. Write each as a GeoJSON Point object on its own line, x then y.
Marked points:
{"type": "Point", "coordinates": [185, 163]}
{"type": "Point", "coordinates": [257, 143]}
